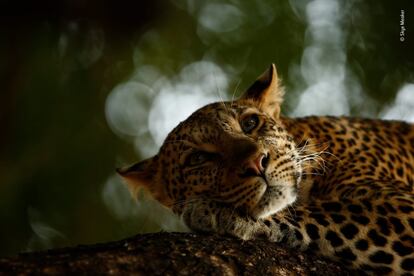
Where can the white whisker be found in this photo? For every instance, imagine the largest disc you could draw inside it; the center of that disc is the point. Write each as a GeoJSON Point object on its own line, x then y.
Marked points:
{"type": "Point", "coordinates": [235, 91]}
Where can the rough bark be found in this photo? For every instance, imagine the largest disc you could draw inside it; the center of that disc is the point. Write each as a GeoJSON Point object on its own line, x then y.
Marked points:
{"type": "Point", "coordinates": [172, 254]}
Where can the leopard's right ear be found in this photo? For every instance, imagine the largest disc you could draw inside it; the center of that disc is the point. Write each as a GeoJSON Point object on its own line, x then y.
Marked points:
{"type": "Point", "coordinates": [266, 92]}
{"type": "Point", "coordinates": [140, 175]}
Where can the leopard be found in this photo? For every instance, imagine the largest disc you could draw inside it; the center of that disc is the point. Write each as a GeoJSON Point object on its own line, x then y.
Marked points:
{"type": "Point", "coordinates": [339, 186]}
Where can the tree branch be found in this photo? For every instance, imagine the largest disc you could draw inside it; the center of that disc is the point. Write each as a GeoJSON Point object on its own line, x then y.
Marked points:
{"type": "Point", "coordinates": [172, 254]}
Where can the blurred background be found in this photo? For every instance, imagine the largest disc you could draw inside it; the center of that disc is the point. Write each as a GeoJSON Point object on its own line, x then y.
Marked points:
{"type": "Point", "coordinates": [92, 85]}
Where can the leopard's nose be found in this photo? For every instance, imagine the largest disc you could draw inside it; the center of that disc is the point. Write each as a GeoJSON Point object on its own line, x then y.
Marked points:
{"type": "Point", "coordinates": [256, 165]}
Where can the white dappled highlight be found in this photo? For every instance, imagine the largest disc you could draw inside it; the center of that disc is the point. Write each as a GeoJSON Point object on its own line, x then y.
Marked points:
{"type": "Point", "coordinates": [329, 87]}
{"type": "Point", "coordinates": [403, 106]}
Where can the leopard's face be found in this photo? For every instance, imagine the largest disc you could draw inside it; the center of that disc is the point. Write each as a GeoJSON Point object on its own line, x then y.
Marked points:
{"type": "Point", "coordinates": [236, 155]}
{"type": "Point", "coordinates": [233, 154]}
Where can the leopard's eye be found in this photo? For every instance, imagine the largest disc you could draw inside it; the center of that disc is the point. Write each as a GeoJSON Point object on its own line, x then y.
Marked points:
{"type": "Point", "coordinates": [197, 158]}
{"type": "Point", "coordinates": [249, 123]}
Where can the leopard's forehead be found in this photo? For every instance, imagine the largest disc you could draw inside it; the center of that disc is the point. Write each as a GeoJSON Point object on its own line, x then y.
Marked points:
{"type": "Point", "coordinates": [207, 120]}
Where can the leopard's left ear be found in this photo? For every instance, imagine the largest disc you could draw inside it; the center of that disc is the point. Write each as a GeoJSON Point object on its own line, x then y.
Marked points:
{"type": "Point", "coordinates": [266, 92]}
{"type": "Point", "coordinates": [141, 175]}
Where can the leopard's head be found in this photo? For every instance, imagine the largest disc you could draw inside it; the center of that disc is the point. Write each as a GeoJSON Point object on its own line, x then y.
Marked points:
{"type": "Point", "coordinates": [236, 153]}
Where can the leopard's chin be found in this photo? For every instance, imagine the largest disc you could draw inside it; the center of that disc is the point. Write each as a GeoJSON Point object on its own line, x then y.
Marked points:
{"type": "Point", "coordinates": [273, 200]}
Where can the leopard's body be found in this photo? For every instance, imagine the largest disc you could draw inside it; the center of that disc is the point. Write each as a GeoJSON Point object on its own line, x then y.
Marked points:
{"type": "Point", "coordinates": [343, 187]}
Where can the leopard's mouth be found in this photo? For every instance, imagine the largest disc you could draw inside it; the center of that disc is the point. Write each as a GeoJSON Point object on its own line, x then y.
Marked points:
{"type": "Point", "coordinates": [252, 174]}
{"type": "Point", "coordinates": [272, 193]}
{"type": "Point", "coordinates": [274, 199]}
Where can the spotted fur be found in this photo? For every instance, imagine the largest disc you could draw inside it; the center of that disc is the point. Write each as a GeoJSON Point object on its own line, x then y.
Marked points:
{"type": "Point", "coordinates": [339, 186]}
